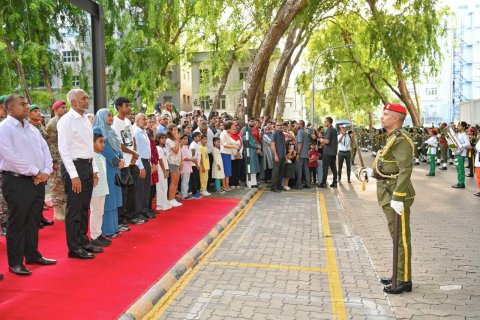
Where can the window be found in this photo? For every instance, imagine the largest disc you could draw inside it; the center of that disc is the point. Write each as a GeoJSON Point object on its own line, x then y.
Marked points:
{"type": "Point", "coordinates": [431, 91]}
{"type": "Point", "coordinates": [184, 99]}
{"type": "Point", "coordinates": [188, 101]}
{"type": "Point", "coordinates": [76, 81]}
{"type": "Point", "coordinates": [204, 76]}
{"type": "Point", "coordinates": [243, 72]}
{"type": "Point", "coordinates": [223, 102]}
{"type": "Point", "coordinates": [70, 56]}
{"type": "Point", "coordinates": [205, 102]}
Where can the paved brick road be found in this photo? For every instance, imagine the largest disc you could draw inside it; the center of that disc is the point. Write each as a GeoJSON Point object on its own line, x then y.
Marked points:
{"type": "Point", "coordinates": [286, 258]}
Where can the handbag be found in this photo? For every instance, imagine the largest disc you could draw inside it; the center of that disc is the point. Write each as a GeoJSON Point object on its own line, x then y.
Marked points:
{"type": "Point", "coordinates": [124, 178]}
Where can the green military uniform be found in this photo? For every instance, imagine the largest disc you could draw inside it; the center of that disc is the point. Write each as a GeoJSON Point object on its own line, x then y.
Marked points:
{"type": "Point", "coordinates": [59, 197]}
{"type": "Point", "coordinates": [393, 167]}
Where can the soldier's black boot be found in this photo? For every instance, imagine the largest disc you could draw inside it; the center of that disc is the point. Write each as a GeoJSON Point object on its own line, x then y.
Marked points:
{"type": "Point", "coordinates": [386, 281]}
{"type": "Point", "coordinates": [401, 287]}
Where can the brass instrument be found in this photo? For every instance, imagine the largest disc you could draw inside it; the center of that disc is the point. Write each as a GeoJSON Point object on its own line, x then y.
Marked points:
{"type": "Point", "coordinates": [452, 139]}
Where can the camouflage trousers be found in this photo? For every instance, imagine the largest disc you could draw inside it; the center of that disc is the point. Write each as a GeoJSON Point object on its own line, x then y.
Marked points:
{"type": "Point", "coordinates": [59, 198]}
{"type": "Point", "coordinates": [3, 204]}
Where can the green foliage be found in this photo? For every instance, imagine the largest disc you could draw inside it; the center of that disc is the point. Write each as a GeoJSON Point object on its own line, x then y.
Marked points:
{"type": "Point", "coordinates": [42, 99]}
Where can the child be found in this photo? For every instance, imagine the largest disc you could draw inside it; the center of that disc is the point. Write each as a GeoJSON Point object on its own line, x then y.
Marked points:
{"type": "Point", "coordinates": [204, 166]}
{"type": "Point", "coordinates": [186, 167]}
{"type": "Point", "coordinates": [217, 170]}
{"type": "Point", "coordinates": [194, 176]}
{"type": "Point", "coordinates": [289, 164]}
{"type": "Point", "coordinates": [162, 184]}
{"type": "Point", "coordinates": [313, 156]}
{"type": "Point", "coordinates": [97, 203]}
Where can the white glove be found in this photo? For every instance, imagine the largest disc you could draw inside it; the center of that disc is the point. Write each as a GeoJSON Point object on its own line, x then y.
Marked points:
{"type": "Point", "coordinates": [369, 172]}
{"type": "Point", "coordinates": [397, 206]}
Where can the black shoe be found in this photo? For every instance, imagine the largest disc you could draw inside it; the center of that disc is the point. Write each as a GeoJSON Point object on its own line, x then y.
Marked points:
{"type": "Point", "coordinates": [42, 261]}
{"type": "Point", "coordinates": [401, 287]}
{"type": "Point", "coordinates": [123, 228]}
{"type": "Point", "coordinates": [47, 222]}
{"type": "Point", "coordinates": [349, 181]}
{"type": "Point", "coordinates": [307, 187]}
{"type": "Point", "coordinates": [333, 185]}
{"type": "Point", "coordinates": [430, 174]}
{"type": "Point", "coordinates": [470, 175]}
{"type": "Point", "coordinates": [99, 242]}
{"type": "Point", "coordinates": [81, 254]}
{"type": "Point", "coordinates": [91, 248]}
{"type": "Point", "coordinates": [459, 186]}
{"type": "Point", "coordinates": [148, 214]}
{"type": "Point", "coordinates": [136, 221]}
{"type": "Point", "coordinates": [477, 194]}
{"type": "Point", "coordinates": [386, 281]}
{"type": "Point", "coordinates": [322, 185]}
{"type": "Point", "coordinates": [20, 270]}
{"type": "Point", "coordinates": [443, 168]}
{"type": "Point", "coordinates": [106, 240]}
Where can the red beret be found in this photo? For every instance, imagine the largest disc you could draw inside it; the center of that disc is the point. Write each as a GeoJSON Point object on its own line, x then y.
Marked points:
{"type": "Point", "coordinates": [434, 131]}
{"type": "Point", "coordinates": [58, 104]}
{"type": "Point", "coordinates": [395, 107]}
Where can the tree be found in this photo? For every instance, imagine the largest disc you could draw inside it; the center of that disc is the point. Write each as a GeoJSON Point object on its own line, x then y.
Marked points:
{"type": "Point", "coordinates": [285, 15]}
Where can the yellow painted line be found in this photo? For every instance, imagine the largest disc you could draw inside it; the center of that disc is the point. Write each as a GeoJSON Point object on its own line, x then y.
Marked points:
{"type": "Point", "coordinates": [266, 266]}
{"type": "Point", "coordinates": [336, 295]}
{"type": "Point", "coordinates": [162, 305]}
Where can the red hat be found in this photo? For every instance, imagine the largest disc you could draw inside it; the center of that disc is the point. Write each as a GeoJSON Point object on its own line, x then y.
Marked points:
{"type": "Point", "coordinates": [395, 107]}
{"type": "Point", "coordinates": [58, 104]}
{"type": "Point", "coordinates": [434, 131]}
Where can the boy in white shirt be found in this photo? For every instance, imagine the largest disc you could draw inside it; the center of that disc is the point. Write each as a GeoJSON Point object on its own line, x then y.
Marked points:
{"type": "Point", "coordinates": [97, 203]}
{"type": "Point", "coordinates": [194, 176]}
{"type": "Point", "coordinates": [162, 184]}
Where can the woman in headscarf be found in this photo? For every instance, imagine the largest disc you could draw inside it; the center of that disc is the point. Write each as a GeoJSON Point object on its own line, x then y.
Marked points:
{"type": "Point", "coordinates": [113, 155]}
{"type": "Point", "coordinates": [267, 159]}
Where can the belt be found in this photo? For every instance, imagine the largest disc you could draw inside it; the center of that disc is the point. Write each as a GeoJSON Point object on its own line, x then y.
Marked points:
{"type": "Point", "coordinates": [343, 151]}
{"type": "Point", "coordinates": [17, 175]}
{"type": "Point", "coordinates": [82, 160]}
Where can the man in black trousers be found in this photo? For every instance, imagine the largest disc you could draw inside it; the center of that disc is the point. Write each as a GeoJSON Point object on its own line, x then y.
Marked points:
{"type": "Point", "coordinates": [79, 173]}
{"type": "Point", "coordinates": [330, 147]}
{"type": "Point", "coordinates": [26, 164]}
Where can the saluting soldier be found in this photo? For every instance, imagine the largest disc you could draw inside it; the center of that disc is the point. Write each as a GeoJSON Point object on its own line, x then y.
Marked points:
{"type": "Point", "coordinates": [59, 197]}
{"type": "Point", "coordinates": [395, 194]}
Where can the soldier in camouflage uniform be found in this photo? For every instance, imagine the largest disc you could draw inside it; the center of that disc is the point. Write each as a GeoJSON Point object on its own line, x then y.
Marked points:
{"type": "Point", "coordinates": [35, 119]}
{"type": "Point", "coordinates": [393, 169]}
{"type": "Point", "coordinates": [59, 198]}
{"type": "Point", "coordinates": [3, 204]}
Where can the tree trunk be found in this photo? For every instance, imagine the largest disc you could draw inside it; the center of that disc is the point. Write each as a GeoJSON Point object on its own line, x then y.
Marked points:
{"type": "Point", "coordinates": [279, 73]}
{"type": "Point", "coordinates": [20, 70]}
{"type": "Point", "coordinates": [46, 79]}
{"type": "Point", "coordinates": [285, 15]}
{"type": "Point", "coordinates": [286, 79]}
{"type": "Point", "coordinates": [405, 96]}
{"type": "Point", "coordinates": [257, 107]}
{"type": "Point", "coordinates": [417, 100]}
{"type": "Point", "coordinates": [223, 83]}
{"type": "Point", "coordinates": [370, 121]}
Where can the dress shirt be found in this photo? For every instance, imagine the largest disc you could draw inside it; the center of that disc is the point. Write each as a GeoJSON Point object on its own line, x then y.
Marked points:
{"type": "Point", "coordinates": [75, 140]}
{"type": "Point", "coordinates": [22, 149]}
{"type": "Point", "coordinates": [464, 143]}
{"type": "Point", "coordinates": [143, 146]}
{"type": "Point", "coordinates": [344, 145]}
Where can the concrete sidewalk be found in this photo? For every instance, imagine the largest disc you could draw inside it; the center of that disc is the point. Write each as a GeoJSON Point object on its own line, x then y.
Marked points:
{"type": "Point", "coordinates": [318, 254]}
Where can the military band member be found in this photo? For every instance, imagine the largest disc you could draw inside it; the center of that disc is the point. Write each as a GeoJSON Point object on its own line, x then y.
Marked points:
{"type": "Point", "coordinates": [395, 192]}
{"type": "Point", "coordinates": [432, 144]}
{"type": "Point", "coordinates": [59, 197]}
{"type": "Point", "coordinates": [462, 150]}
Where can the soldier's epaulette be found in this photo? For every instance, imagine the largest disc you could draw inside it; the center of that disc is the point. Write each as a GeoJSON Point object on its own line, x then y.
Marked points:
{"type": "Point", "coordinates": [398, 133]}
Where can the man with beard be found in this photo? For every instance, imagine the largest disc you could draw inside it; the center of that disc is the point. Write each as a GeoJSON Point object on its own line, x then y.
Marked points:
{"type": "Point", "coordinates": [26, 164]}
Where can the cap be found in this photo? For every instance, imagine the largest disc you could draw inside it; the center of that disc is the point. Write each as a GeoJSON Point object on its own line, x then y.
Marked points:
{"type": "Point", "coordinates": [2, 98]}
{"type": "Point", "coordinates": [434, 131]}
{"type": "Point", "coordinates": [395, 107]}
{"type": "Point", "coordinates": [58, 104]}
{"type": "Point", "coordinates": [33, 107]}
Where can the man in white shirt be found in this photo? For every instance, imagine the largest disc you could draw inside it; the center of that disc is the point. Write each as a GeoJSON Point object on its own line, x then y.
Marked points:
{"type": "Point", "coordinates": [123, 128]}
{"type": "Point", "coordinates": [344, 153]}
{"type": "Point", "coordinates": [143, 179]}
{"type": "Point", "coordinates": [79, 173]}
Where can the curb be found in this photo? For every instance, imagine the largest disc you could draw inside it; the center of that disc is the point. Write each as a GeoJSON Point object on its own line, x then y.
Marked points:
{"type": "Point", "coordinates": [145, 303]}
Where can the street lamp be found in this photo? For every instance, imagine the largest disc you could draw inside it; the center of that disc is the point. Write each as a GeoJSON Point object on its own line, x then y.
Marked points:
{"type": "Point", "coordinates": [313, 73]}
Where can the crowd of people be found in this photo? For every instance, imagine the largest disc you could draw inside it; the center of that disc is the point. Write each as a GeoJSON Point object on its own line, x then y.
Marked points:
{"type": "Point", "coordinates": [116, 168]}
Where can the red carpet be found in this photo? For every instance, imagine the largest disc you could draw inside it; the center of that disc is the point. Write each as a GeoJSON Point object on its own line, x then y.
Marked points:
{"type": "Point", "coordinates": [104, 287]}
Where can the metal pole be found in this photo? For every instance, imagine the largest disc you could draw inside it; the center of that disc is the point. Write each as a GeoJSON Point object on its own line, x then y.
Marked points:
{"type": "Point", "coordinates": [247, 137]}
{"type": "Point", "coordinates": [313, 74]}
{"type": "Point", "coordinates": [98, 50]}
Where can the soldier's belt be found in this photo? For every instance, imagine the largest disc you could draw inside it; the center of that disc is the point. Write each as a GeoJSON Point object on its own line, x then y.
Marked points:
{"type": "Point", "coordinates": [379, 177]}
